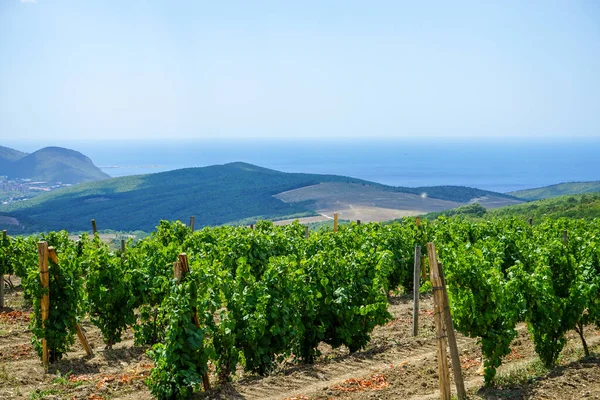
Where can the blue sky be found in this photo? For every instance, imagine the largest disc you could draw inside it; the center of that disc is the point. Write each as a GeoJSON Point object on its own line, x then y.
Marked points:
{"type": "Point", "coordinates": [310, 69]}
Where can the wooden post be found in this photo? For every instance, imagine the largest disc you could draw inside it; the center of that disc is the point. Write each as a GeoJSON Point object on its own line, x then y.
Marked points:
{"type": "Point", "coordinates": [94, 230]}
{"type": "Point", "coordinates": [192, 222]}
{"type": "Point", "coordinates": [306, 231]}
{"type": "Point", "coordinates": [418, 221]}
{"type": "Point", "coordinates": [416, 287]}
{"type": "Point", "coordinates": [2, 289]}
{"type": "Point", "coordinates": [122, 246]}
{"type": "Point", "coordinates": [83, 340]}
{"type": "Point", "coordinates": [335, 222]}
{"type": "Point", "coordinates": [530, 221]}
{"type": "Point", "coordinates": [438, 308]}
{"type": "Point", "coordinates": [358, 222]}
{"type": "Point", "coordinates": [566, 237]}
{"type": "Point", "coordinates": [184, 268]}
{"type": "Point", "coordinates": [2, 275]}
{"type": "Point", "coordinates": [252, 226]}
{"type": "Point", "coordinates": [454, 355]}
{"type": "Point", "coordinates": [88, 350]}
{"type": "Point", "coordinates": [45, 305]}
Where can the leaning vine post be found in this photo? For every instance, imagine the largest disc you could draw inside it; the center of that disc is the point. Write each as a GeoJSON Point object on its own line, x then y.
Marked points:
{"type": "Point", "coordinates": [94, 230]}
{"type": "Point", "coordinates": [182, 268]}
{"type": "Point", "coordinates": [88, 350]}
{"type": "Point", "coordinates": [438, 310]}
{"type": "Point", "coordinates": [192, 222]}
{"type": "Point", "coordinates": [45, 303]}
{"type": "Point", "coordinates": [2, 274]}
{"type": "Point", "coordinates": [456, 368]}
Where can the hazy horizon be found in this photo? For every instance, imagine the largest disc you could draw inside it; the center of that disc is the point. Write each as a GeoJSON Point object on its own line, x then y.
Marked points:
{"type": "Point", "coordinates": [492, 164]}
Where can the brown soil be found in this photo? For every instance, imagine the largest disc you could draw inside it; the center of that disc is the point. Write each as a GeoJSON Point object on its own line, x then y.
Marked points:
{"type": "Point", "coordinates": [395, 365]}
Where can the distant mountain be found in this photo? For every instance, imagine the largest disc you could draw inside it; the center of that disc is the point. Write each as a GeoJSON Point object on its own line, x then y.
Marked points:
{"type": "Point", "coordinates": [222, 194]}
{"type": "Point", "coordinates": [51, 164]}
{"type": "Point", "coordinates": [557, 190]}
{"type": "Point", "coordinates": [9, 156]}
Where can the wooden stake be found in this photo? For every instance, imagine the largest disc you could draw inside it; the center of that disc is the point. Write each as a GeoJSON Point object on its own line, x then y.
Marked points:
{"type": "Point", "coordinates": [83, 340]}
{"type": "Point", "coordinates": [2, 275]}
{"type": "Point", "coordinates": [566, 237]}
{"type": "Point", "coordinates": [192, 223]}
{"type": "Point", "coordinates": [2, 290]}
{"type": "Point", "coordinates": [454, 354]}
{"type": "Point", "coordinates": [252, 226]}
{"type": "Point", "coordinates": [418, 221]}
{"type": "Point", "coordinates": [122, 246]}
{"type": "Point", "coordinates": [88, 350]}
{"type": "Point", "coordinates": [335, 222]}
{"type": "Point", "coordinates": [52, 255]}
{"type": "Point", "coordinates": [438, 301]}
{"type": "Point", "coordinates": [45, 306]}
{"type": "Point", "coordinates": [416, 287]}
{"type": "Point", "coordinates": [94, 230]}
{"type": "Point", "coordinates": [184, 267]}
{"type": "Point", "coordinates": [306, 231]}
{"type": "Point", "coordinates": [530, 221]}
{"type": "Point", "coordinates": [358, 222]}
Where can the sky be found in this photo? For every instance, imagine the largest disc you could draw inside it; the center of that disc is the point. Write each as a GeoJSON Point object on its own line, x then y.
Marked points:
{"type": "Point", "coordinates": [146, 70]}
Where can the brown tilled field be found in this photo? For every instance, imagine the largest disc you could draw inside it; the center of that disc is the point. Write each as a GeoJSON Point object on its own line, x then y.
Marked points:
{"type": "Point", "coordinates": [395, 365]}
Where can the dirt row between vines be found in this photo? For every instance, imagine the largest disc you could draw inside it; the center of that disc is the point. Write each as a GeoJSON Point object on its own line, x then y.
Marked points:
{"type": "Point", "coordinates": [395, 365]}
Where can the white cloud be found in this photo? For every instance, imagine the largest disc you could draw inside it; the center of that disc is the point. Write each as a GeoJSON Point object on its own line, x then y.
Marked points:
{"type": "Point", "coordinates": [28, 1]}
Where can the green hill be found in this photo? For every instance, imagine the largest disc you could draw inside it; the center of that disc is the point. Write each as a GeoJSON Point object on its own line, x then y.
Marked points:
{"type": "Point", "coordinates": [560, 189]}
{"type": "Point", "coordinates": [8, 156]}
{"type": "Point", "coordinates": [51, 164]}
{"type": "Point", "coordinates": [215, 195]}
{"type": "Point", "coordinates": [586, 206]}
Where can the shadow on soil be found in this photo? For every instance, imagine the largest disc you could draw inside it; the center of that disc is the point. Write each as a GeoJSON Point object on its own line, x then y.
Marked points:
{"type": "Point", "coordinates": [524, 390]}
{"type": "Point", "coordinates": [223, 392]}
{"type": "Point", "coordinates": [116, 357]}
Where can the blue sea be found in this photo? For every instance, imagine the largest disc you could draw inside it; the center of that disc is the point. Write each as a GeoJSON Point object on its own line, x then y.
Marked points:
{"type": "Point", "coordinates": [498, 165]}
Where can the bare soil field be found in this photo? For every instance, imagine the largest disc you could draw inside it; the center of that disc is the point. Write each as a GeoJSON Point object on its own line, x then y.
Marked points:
{"type": "Point", "coordinates": [373, 204]}
{"type": "Point", "coordinates": [395, 365]}
{"type": "Point", "coordinates": [335, 196]}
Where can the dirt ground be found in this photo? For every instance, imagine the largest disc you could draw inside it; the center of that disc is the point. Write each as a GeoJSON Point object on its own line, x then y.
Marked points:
{"type": "Point", "coordinates": [395, 365]}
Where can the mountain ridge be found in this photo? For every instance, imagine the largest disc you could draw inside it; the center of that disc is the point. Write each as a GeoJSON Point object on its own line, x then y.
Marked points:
{"type": "Point", "coordinates": [51, 164]}
{"type": "Point", "coordinates": [220, 194]}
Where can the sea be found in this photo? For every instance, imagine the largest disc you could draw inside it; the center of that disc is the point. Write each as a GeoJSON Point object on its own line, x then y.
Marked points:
{"type": "Point", "coordinates": [500, 165]}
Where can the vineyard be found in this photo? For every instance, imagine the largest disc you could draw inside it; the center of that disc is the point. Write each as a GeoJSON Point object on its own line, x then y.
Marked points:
{"type": "Point", "coordinates": [211, 306]}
